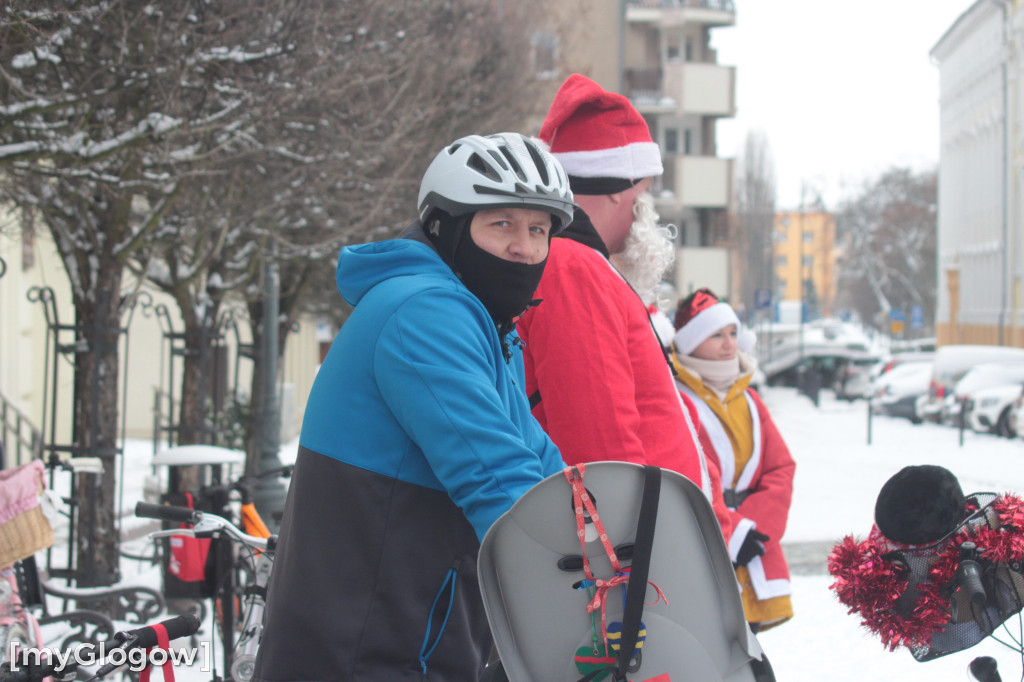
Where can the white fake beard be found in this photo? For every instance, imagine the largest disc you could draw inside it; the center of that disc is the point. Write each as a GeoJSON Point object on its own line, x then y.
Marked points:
{"type": "Point", "coordinates": [648, 252]}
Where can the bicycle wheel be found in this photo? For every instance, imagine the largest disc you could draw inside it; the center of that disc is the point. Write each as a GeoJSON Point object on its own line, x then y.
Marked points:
{"type": "Point", "coordinates": [10, 633]}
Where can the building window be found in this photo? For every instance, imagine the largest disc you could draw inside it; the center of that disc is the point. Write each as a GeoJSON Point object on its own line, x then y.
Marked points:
{"type": "Point", "coordinates": [808, 261]}
{"type": "Point", "coordinates": [545, 55]}
{"type": "Point", "coordinates": [780, 261]}
{"type": "Point", "coordinates": [671, 140]}
{"type": "Point", "coordinates": [687, 140]}
{"type": "Point", "coordinates": [689, 50]}
{"type": "Point", "coordinates": [673, 53]}
{"type": "Point", "coordinates": [808, 237]}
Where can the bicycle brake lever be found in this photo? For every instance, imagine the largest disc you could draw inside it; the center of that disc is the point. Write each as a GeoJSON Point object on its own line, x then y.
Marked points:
{"type": "Point", "coordinates": [171, 532]}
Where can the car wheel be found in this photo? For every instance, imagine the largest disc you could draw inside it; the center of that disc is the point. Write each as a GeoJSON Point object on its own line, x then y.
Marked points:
{"type": "Point", "coordinates": [1003, 425]}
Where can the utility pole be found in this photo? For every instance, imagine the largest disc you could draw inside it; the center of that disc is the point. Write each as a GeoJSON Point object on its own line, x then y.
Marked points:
{"type": "Point", "coordinates": [800, 336]}
{"type": "Point", "coordinates": [269, 492]}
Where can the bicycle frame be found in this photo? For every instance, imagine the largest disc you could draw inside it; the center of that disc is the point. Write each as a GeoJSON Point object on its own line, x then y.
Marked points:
{"type": "Point", "coordinates": [239, 656]}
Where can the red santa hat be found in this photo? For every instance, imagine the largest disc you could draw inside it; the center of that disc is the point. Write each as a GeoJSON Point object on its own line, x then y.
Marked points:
{"type": "Point", "coordinates": [599, 134]}
{"type": "Point", "coordinates": [700, 315]}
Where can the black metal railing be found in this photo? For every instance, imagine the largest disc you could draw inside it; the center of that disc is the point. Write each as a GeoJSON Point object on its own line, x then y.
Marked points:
{"type": "Point", "coordinates": [20, 440]}
{"type": "Point", "coordinates": [644, 86]}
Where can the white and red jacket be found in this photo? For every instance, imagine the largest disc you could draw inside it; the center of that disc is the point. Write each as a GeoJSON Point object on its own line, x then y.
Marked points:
{"type": "Point", "coordinates": [763, 486]}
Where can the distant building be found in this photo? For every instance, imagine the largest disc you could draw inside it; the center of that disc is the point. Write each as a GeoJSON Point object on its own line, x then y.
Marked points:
{"type": "Point", "coordinates": [658, 53]}
{"type": "Point", "coordinates": [981, 183]}
{"type": "Point", "coordinates": [804, 248]}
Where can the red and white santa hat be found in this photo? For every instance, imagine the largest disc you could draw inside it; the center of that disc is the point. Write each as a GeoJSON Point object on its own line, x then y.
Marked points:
{"type": "Point", "coordinates": [599, 134]}
{"type": "Point", "coordinates": [700, 315]}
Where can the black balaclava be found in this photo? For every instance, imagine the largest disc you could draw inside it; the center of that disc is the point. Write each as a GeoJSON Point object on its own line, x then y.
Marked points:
{"type": "Point", "coordinates": [504, 287]}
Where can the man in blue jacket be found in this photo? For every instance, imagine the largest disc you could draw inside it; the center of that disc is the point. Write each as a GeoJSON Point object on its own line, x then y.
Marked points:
{"type": "Point", "coordinates": [417, 435]}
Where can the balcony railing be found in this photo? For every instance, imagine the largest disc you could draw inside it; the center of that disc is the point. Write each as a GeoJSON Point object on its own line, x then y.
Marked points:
{"type": "Point", "coordinates": [721, 5]}
{"type": "Point", "coordinates": [705, 89]}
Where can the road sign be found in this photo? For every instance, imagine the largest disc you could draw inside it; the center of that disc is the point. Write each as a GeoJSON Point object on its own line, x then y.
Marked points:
{"type": "Point", "coordinates": [916, 317]}
{"type": "Point", "coordinates": [762, 299]}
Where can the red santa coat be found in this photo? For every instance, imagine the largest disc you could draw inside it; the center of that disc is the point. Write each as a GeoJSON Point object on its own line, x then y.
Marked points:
{"type": "Point", "coordinates": [767, 477]}
{"type": "Point", "coordinates": [605, 389]}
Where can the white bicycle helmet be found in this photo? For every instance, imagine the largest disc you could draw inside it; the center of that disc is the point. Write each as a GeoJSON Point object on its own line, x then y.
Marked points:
{"type": "Point", "coordinates": [498, 171]}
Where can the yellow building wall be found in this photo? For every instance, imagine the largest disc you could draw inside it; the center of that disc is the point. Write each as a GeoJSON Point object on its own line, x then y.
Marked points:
{"type": "Point", "coordinates": [806, 235]}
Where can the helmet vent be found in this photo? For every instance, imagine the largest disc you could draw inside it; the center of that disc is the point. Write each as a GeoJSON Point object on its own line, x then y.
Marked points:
{"type": "Point", "coordinates": [477, 163]}
{"type": "Point", "coordinates": [518, 169]}
{"type": "Point", "coordinates": [538, 161]}
{"type": "Point", "coordinates": [499, 158]}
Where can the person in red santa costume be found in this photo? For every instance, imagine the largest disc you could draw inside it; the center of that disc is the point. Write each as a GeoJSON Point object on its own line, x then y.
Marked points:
{"type": "Point", "coordinates": [755, 464]}
{"type": "Point", "coordinates": [597, 376]}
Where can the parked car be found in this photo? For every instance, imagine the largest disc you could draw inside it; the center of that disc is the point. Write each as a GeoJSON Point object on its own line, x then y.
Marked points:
{"type": "Point", "coordinates": [987, 391]}
{"type": "Point", "coordinates": [897, 392]}
{"type": "Point", "coordinates": [853, 377]}
{"type": "Point", "coordinates": [897, 359]}
{"type": "Point", "coordinates": [951, 363]}
{"type": "Point", "coordinates": [1017, 414]}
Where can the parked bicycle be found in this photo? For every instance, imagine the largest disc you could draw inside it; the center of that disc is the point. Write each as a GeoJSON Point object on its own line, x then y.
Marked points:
{"type": "Point", "coordinates": [24, 587]}
{"type": "Point", "coordinates": [256, 559]}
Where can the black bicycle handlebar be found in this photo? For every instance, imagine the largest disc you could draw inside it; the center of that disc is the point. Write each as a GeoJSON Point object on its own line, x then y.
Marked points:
{"type": "Point", "coordinates": [35, 669]}
{"type": "Point", "coordinates": [165, 512]}
{"type": "Point", "coordinates": [968, 577]}
{"type": "Point", "coordinates": [146, 637]}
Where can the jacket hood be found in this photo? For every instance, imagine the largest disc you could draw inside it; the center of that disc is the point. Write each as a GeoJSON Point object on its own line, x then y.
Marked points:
{"type": "Point", "coordinates": [362, 267]}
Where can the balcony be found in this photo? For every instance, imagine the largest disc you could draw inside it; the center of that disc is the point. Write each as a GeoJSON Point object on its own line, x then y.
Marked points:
{"type": "Point", "coordinates": [668, 13]}
{"type": "Point", "coordinates": [698, 181]}
{"type": "Point", "coordinates": [683, 88]}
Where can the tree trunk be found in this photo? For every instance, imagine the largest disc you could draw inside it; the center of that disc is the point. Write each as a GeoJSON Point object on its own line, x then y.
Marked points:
{"type": "Point", "coordinates": [199, 383]}
{"type": "Point", "coordinates": [96, 431]}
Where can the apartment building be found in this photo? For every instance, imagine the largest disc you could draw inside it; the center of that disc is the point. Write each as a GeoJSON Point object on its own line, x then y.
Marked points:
{"type": "Point", "coordinates": [658, 53]}
{"type": "Point", "coordinates": [804, 248]}
{"type": "Point", "coordinates": [981, 177]}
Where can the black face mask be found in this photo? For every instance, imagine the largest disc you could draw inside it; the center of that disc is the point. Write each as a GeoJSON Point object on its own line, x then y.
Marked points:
{"type": "Point", "coordinates": [504, 287]}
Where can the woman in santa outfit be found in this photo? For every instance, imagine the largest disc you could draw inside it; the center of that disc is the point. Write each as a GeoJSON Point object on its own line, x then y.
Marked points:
{"type": "Point", "coordinates": [757, 468]}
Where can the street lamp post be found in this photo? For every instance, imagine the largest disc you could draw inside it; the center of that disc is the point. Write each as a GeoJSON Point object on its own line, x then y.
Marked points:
{"type": "Point", "coordinates": [269, 491]}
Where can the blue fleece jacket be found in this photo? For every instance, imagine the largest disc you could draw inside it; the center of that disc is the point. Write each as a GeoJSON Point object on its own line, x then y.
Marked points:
{"type": "Point", "coordinates": [416, 386]}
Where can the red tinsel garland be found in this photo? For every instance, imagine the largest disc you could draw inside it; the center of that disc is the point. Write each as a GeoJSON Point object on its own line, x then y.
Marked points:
{"type": "Point", "coordinates": [870, 585]}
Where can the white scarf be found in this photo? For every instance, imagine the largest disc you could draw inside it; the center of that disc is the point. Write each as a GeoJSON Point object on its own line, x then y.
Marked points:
{"type": "Point", "coordinates": [718, 375]}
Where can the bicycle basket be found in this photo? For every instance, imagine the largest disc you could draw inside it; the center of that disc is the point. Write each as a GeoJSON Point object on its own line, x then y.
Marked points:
{"type": "Point", "coordinates": [24, 529]}
{"type": "Point", "coordinates": [910, 596]}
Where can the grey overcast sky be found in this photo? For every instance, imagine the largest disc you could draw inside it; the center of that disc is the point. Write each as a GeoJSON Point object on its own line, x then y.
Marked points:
{"type": "Point", "coordinates": [844, 90]}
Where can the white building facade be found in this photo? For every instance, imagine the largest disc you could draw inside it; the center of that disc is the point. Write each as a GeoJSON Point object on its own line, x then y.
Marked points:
{"type": "Point", "coordinates": [981, 184]}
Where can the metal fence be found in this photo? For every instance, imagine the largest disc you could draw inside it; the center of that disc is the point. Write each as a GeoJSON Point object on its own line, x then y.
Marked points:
{"type": "Point", "coordinates": [20, 439]}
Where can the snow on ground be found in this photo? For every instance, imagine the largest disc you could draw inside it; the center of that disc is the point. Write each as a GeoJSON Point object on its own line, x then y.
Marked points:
{"type": "Point", "coordinates": [838, 478]}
